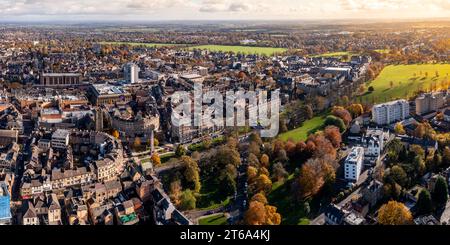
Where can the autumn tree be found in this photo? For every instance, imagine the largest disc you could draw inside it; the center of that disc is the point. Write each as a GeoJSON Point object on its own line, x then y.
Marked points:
{"type": "Point", "coordinates": [394, 213]}
{"type": "Point", "coordinates": [399, 129]}
{"type": "Point", "coordinates": [342, 113]}
{"type": "Point", "coordinates": [262, 183]}
{"type": "Point", "coordinates": [175, 192]}
{"type": "Point", "coordinates": [356, 110]}
{"type": "Point", "coordinates": [260, 213]}
{"type": "Point", "coordinates": [264, 160]}
{"type": "Point", "coordinates": [313, 175]}
{"type": "Point", "coordinates": [115, 134]}
{"type": "Point", "coordinates": [191, 172]}
{"type": "Point", "coordinates": [333, 135]}
{"type": "Point", "coordinates": [137, 143]}
{"type": "Point", "coordinates": [156, 160]}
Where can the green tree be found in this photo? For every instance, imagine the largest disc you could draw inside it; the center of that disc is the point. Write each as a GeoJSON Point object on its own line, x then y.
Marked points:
{"type": "Point", "coordinates": [440, 192]}
{"type": "Point", "coordinates": [335, 121]}
{"type": "Point", "coordinates": [180, 151]}
{"type": "Point", "coordinates": [424, 205]}
{"type": "Point", "coordinates": [188, 200]}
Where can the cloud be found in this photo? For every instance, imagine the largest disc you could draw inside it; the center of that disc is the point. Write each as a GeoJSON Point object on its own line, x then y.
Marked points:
{"type": "Point", "coordinates": [213, 6]}
{"type": "Point", "coordinates": [219, 9]}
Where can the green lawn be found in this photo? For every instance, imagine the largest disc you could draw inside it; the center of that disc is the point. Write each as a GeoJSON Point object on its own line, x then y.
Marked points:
{"type": "Point", "coordinates": [242, 49]}
{"type": "Point", "coordinates": [405, 84]}
{"type": "Point", "coordinates": [304, 131]}
{"type": "Point", "coordinates": [154, 45]}
{"type": "Point", "coordinates": [291, 211]}
{"type": "Point", "coordinates": [218, 219]}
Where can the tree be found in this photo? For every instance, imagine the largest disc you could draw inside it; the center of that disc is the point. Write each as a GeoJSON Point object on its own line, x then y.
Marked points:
{"type": "Point", "coordinates": [440, 192]}
{"type": "Point", "coordinates": [419, 132]}
{"type": "Point", "coordinates": [252, 173]}
{"type": "Point", "coordinates": [424, 205]}
{"type": "Point", "coordinates": [262, 183]}
{"type": "Point", "coordinates": [265, 160]}
{"type": "Point", "coordinates": [394, 213]}
{"type": "Point", "coordinates": [279, 173]}
{"type": "Point", "coordinates": [175, 192]}
{"type": "Point", "coordinates": [115, 134]}
{"type": "Point", "coordinates": [191, 172]}
{"type": "Point", "coordinates": [156, 160]}
{"type": "Point", "coordinates": [188, 200]}
{"type": "Point", "coordinates": [180, 151]}
{"type": "Point", "coordinates": [260, 213]}
{"type": "Point", "coordinates": [342, 113]}
{"type": "Point", "coordinates": [356, 110]}
{"type": "Point", "coordinates": [256, 214]}
{"type": "Point", "coordinates": [419, 165]}
{"type": "Point", "coordinates": [313, 175]}
{"type": "Point", "coordinates": [333, 135]}
{"type": "Point", "coordinates": [335, 121]}
{"type": "Point", "coordinates": [137, 143]}
{"type": "Point", "coordinates": [155, 142]}
{"type": "Point", "coordinates": [397, 175]}
{"type": "Point", "coordinates": [399, 129]}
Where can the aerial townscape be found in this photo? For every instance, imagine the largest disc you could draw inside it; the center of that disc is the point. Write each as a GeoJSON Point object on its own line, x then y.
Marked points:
{"type": "Point", "coordinates": [87, 135]}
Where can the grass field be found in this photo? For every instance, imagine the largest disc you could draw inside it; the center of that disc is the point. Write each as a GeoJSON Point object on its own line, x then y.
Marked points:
{"type": "Point", "coordinates": [405, 84]}
{"type": "Point", "coordinates": [303, 132]}
{"type": "Point", "coordinates": [153, 45]}
{"type": "Point", "coordinates": [241, 49]}
{"type": "Point", "coordinates": [218, 219]}
{"type": "Point", "coordinates": [292, 212]}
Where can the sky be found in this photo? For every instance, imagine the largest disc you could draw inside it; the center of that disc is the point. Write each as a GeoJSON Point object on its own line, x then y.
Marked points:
{"type": "Point", "coordinates": [160, 10]}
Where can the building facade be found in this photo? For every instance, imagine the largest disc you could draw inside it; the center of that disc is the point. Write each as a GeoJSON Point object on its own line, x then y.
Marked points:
{"type": "Point", "coordinates": [387, 113]}
{"type": "Point", "coordinates": [60, 79]}
{"type": "Point", "coordinates": [353, 164]}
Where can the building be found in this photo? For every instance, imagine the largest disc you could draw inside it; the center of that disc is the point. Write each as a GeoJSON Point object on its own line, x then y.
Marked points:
{"type": "Point", "coordinates": [353, 164]}
{"type": "Point", "coordinates": [60, 139]}
{"type": "Point", "coordinates": [5, 208]}
{"type": "Point", "coordinates": [60, 79]}
{"type": "Point", "coordinates": [8, 136]}
{"type": "Point", "coordinates": [429, 102]}
{"type": "Point", "coordinates": [131, 72]}
{"type": "Point", "coordinates": [373, 142]}
{"type": "Point", "coordinates": [335, 215]}
{"type": "Point", "coordinates": [387, 113]}
{"type": "Point", "coordinates": [447, 115]}
{"type": "Point", "coordinates": [104, 94]}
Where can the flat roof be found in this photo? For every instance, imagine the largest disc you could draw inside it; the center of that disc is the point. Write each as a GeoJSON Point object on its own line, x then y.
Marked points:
{"type": "Point", "coordinates": [61, 74]}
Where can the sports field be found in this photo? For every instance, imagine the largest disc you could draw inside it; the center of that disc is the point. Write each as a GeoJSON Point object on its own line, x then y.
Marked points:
{"type": "Point", "coordinates": [154, 45]}
{"type": "Point", "coordinates": [304, 131]}
{"type": "Point", "coordinates": [402, 81]}
{"type": "Point", "coordinates": [241, 49]}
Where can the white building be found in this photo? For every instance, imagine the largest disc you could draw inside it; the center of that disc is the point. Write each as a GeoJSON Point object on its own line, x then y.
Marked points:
{"type": "Point", "coordinates": [60, 139]}
{"type": "Point", "coordinates": [387, 113]}
{"type": "Point", "coordinates": [373, 142]}
{"type": "Point", "coordinates": [353, 164]}
{"type": "Point", "coordinates": [131, 73]}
